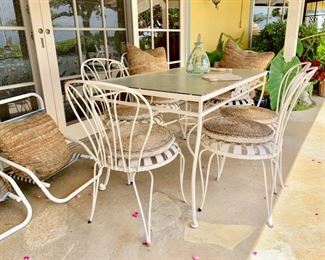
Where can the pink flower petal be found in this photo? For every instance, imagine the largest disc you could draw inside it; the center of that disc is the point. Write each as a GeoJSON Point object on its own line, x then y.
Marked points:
{"type": "Point", "coordinates": [195, 257]}
{"type": "Point", "coordinates": [136, 214]}
{"type": "Point", "coordinates": [146, 244]}
{"type": "Point", "coordinates": [78, 196]}
{"type": "Point", "coordinates": [254, 253]}
{"type": "Point", "coordinates": [26, 257]}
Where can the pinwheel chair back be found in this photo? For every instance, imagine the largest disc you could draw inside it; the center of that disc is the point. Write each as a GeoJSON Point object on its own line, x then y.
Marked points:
{"type": "Point", "coordinates": [102, 69]}
{"type": "Point", "coordinates": [127, 146]}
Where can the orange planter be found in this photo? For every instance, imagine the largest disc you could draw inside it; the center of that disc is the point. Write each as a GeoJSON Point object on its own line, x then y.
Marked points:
{"type": "Point", "coordinates": [322, 88]}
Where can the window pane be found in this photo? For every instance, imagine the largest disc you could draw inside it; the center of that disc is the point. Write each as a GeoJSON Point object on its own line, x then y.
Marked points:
{"type": "Point", "coordinates": [62, 13]}
{"type": "Point", "coordinates": [160, 39]}
{"type": "Point", "coordinates": [261, 2]}
{"type": "Point", "coordinates": [260, 18]}
{"type": "Point", "coordinates": [67, 52]}
{"type": "Point", "coordinates": [144, 15]}
{"type": "Point", "coordinates": [174, 46]}
{"type": "Point", "coordinates": [114, 13]}
{"type": "Point", "coordinates": [174, 14]}
{"type": "Point", "coordinates": [116, 44]}
{"type": "Point", "coordinates": [275, 14]}
{"type": "Point", "coordinates": [20, 107]}
{"type": "Point", "coordinates": [92, 44]}
{"type": "Point", "coordinates": [89, 13]}
{"type": "Point", "coordinates": [159, 14]}
{"type": "Point", "coordinates": [276, 3]}
{"type": "Point", "coordinates": [145, 40]}
{"type": "Point", "coordinates": [10, 13]}
{"type": "Point", "coordinates": [14, 59]}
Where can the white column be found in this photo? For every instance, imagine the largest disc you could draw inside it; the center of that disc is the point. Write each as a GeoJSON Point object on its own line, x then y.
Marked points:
{"type": "Point", "coordinates": [293, 23]}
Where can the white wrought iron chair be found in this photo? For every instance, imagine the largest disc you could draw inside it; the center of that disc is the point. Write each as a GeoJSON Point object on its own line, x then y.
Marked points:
{"type": "Point", "coordinates": [267, 147]}
{"type": "Point", "coordinates": [31, 177]}
{"type": "Point", "coordinates": [5, 192]}
{"type": "Point", "coordinates": [128, 147]}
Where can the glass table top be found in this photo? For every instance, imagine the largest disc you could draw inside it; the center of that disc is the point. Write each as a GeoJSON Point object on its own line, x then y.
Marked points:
{"type": "Point", "coordinates": [177, 81]}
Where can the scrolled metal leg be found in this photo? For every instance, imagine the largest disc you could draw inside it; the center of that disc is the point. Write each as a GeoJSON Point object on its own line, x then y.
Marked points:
{"type": "Point", "coordinates": [181, 175]}
{"type": "Point", "coordinates": [95, 190]}
{"type": "Point", "coordinates": [103, 186]}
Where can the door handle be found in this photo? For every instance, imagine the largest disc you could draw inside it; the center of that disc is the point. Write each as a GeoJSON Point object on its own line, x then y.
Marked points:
{"type": "Point", "coordinates": [47, 31]}
{"type": "Point", "coordinates": [40, 30]}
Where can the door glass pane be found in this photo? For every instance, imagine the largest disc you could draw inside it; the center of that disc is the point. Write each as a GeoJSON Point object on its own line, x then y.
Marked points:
{"type": "Point", "coordinates": [144, 15]}
{"type": "Point", "coordinates": [67, 52]}
{"type": "Point", "coordinates": [89, 13]}
{"type": "Point", "coordinates": [174, 46]}
{"type": "Point", "coordinates": [145, 40]}
{"type": "Point", "coordinates": [174, 14]}
{"type": "Point", "coordinates": [261, 2]}
{"type": "Point", "coordinates": [116, 44]}
{"type": "Point", "coordinates": [159, 14]}
{"type": "Point", "coordinates": [260, 18]}
{"type": "Point", "coordinates": [114, 13]}
{"type": "Point", "coordinates": [62, 13]}
{"type": "Point", "coordinates": [161, 40]}
{"type": "Point", "coordinates": [10, 14]}
{"type": "Point", "coordinates": [275, 14]}
{"type": "Point", "coordinates": [14, 58]}
{"type": "Point", "coordinates": [92, 44]}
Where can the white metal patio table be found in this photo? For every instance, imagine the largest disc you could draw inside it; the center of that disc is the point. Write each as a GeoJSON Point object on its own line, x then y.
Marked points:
{"type": "Point", "coordinates": [179, 85]}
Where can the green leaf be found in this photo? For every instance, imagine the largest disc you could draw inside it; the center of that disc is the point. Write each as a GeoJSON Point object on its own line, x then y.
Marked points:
{"type": "Point", "coordinates": [300, 48]}
{"type": "Point", "coordinates": [278, 69]}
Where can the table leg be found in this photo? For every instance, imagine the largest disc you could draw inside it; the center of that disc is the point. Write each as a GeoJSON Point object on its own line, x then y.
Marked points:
{"type": "Point", "coordinates": [195, 223]}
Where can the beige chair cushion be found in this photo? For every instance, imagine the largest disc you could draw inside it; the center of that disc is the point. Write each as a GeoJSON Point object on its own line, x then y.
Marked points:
{"type": "Point", "coordinates": [257, 114]}
{"type": "Point", "coordinates": [127, 113]}
{"type": "Point", "coordinates": [237, 130]}
{"type": "Point", "coordinates": [146, 61]}
{"type": "Point", "coordinates": [236, 58]}
{"type": "Point", "coordinates": [36, 143]}
{"type": "Point", "coordinates": [160, 100]}
{"type": "Point", "coordinates": [160, 140]}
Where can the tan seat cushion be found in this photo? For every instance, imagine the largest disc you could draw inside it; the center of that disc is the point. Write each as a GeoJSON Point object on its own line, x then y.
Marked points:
{"type": "Point", "coordinates": [146, 61]}
{"type": "Point", "coordinates": [257, 114]}
{"type": "Point", "coordinates": [237, 130]}
{"type": "Point", "coordinates": [36, 143]}
{"type": "Point", "coordinates": [160, 140]}
{"type": "Point", "coordinates": [236, 58]}
{"type": "Point", "coordinates": [127, 113]}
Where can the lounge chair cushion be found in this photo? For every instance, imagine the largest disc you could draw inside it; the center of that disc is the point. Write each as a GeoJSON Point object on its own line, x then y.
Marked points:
{"type": "Point", "coordinates": [35, 143]}
{"type": "Point", "coordinates": [146, 61]}
{"type": "Point", "coordinates": [236, 58]}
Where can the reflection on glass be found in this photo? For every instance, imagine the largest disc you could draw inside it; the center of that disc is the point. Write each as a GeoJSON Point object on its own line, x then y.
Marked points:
{"type": "Point", "coordinates": [275, 14]}
{"type": "Point", "coordinates": [67, 52]}
{"type": "Point", "coordinates": [62, 13]}
{"type": "Point", "coordinates": [276, 3]}
{"type": "Point", "coordinates": [14, 59]}
{"type": "Point", "coordinates": [285, 14]}
{"type": "Point", "coordinates": [145, 40]}
{"type": "Point", "coordinates": [89, 13]}
{"type": "Point", "coordinates": [144, 15]}
{"type": "Point", "coordinates": [260, 18]}
{"type": "Point", "coordinates": [159, 14]}
{"type": "Point", "coordinates": [174, 14]}
{"type": "Point", "coordinates": [18, 108]}
{"type": "Point", "coordinates": [116, 44]}
{"type": "Point", "coordinates": [114, 13]}
{"type": "Point", "coordinates": [160, 39]}
{"type": "Point", "coordinates": [92, 44]}
{"type": "Point", "coordinates": [261, 2]}
{"type": "Point", "coordinates": [10, 13]}
{"type": "Point", "coordinates": [174, 46]}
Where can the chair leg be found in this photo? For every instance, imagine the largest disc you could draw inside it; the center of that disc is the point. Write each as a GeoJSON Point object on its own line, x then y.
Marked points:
{"type": "Point", "coordinates": [129, 175]}
{"type": "Point", "coordinates": [201, 171]}
{"type": "Point", "coordinates": [20, 197]}
{"type": "Point", "coordinates": [206, 180]}
{"type": "Point", "coordinates": [147, 225]}
{"type": "Point", "coordinates": [95, 190]}
{"type": "Point", "coordinates": [280, 173]}
{"type": "Point", "coordinates": [181, 175]}
{"type": "Point", "coordinates": [103, 186]}
{"type": "Point", "coordinates": [269, 203]}
{"type": "Point", "coordinates": [221, 164]}
{"type": "Point", "coordinates": [274, 171]}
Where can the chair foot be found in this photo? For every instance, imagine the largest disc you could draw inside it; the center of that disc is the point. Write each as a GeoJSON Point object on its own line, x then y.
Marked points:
{"type": "Point", "coordinates": [89, 221]}
{"type": "Point", "coordinates": [199, 210]}
{"type": "Point", "coordinates": [129, 184]}
{"type": "Point", "coordinates": [269, 225]}
{"type": "Point", "coordinates": [102, 187]}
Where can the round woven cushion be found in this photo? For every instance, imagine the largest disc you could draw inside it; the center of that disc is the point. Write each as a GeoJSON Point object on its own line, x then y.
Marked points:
{"type": "Point", "coordinates": [257, 114]}
{"type": "Point", "coordinates": [237, 130]}
{"type": "Point", "coordinates": [160, 140]}
{"type": "Point", "coordinates": [128, 113]}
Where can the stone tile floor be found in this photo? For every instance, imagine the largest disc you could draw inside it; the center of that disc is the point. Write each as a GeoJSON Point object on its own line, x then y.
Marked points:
{"type": "Point", "coordinates": [235, 205]}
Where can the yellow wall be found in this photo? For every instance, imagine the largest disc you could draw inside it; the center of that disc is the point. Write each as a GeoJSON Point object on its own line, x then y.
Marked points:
{"type": "Point", "coordinates": [210, 21]}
